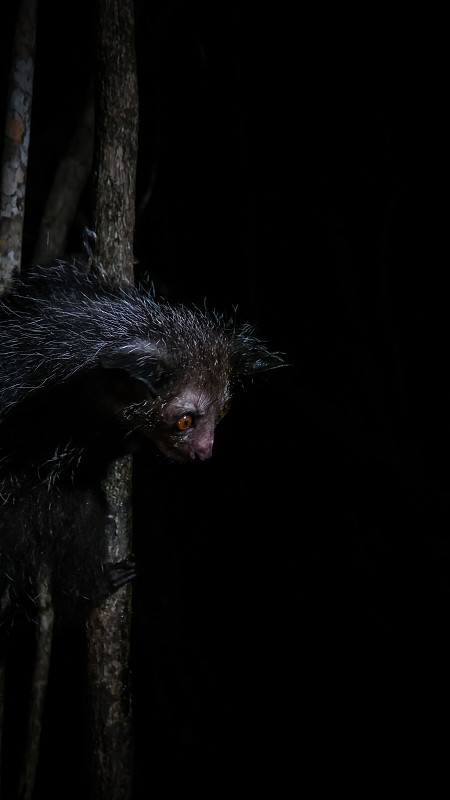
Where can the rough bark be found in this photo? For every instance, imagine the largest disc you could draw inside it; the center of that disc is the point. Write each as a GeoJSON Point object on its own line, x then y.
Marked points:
{"type": "Point", "coordinates": [108, 637]}
{"type": "Point", "coordinates": [17, 137]}
{"type": "Point", "coordinates": [115, 156]}
{"type": "Point", "coordinates": [116, 139]}
{"type": "Point", "coordinates": [12, 192]}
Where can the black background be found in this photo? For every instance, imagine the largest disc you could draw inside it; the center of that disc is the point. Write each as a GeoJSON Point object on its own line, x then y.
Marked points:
{"type": "Point", "coordinates": [292, 615]}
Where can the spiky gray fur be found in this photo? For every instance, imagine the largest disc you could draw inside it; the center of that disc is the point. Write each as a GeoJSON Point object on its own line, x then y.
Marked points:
{"type": "Point", "coordinates": [61, 321]}
{"type": "Point", "coordinates": [62, 330]}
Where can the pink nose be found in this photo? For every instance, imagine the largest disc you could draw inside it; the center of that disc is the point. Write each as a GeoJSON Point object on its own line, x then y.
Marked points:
{"type": "Point", "coordinates": [204, 451]}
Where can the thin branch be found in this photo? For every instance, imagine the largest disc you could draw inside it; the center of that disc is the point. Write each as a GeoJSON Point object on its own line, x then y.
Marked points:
{"type": "Point", "coordinates": [44, 638]}
{"type": "Point", "coordinates": [70, 179]}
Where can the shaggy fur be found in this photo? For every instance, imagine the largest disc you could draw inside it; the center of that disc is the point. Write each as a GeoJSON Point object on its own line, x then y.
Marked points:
{"type": "Point", "coordinates": [88, 371]}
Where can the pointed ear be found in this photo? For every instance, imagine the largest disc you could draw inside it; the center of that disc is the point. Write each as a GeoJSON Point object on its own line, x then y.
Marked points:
{"type": "Point", "coordinates": [142, 365]}
{"type": "Point", "coordinates": [253, 357]}
{"type": "Point", "coordinates": [260, 364]}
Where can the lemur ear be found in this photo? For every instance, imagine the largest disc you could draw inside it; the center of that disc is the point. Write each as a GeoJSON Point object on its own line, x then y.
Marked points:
{"type": "Point", "coordinates": [251, 355]}
{"type": "Point", "coordinates": [258, 359]}
{"type": "Point", "coordinates": [145, 367]}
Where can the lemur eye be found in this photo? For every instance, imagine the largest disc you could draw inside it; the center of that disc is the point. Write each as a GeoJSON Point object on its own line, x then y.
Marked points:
{"type": "Point", "coordinates": [224, 410]}
{"type": "Point", "coordinates": [184, 422]}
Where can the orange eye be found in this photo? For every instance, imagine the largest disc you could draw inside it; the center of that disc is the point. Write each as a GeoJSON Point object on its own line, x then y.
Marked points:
{"type": "Point", "coordinates": [224, 410]}
{"type": "Point", "coordinates": [184, 422]}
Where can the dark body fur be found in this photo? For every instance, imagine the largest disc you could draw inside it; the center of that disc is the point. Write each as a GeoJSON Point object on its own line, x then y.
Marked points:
{"type": "Point", "coordinates": [89, 371]}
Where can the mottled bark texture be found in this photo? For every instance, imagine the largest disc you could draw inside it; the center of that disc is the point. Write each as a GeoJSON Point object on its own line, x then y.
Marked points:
{"type": "Point", "coordinates": [12, 210]}
{"type": "Point", "coordinates": [115, 157]}
{"type": "Point", "coordinates": [17, 138]}
{"type": "Point", "coordinates": [108, 638]}
{"type": "Point", "coordinates": [116, 139]}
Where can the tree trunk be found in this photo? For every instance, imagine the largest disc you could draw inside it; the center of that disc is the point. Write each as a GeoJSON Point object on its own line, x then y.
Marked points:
{"type": "Point", "coordinates": [13, 180]}
{"type": "Point", "coordinates": [17, 139]}
{"type": "Point", "coordinates": [115, 155]}
{"type": "Point", "coordinates": [116, 139]}
{"type": "Point", "coordinates": [108, 640]}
